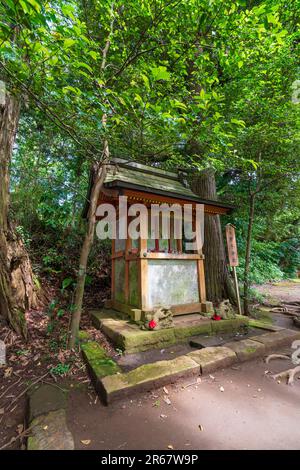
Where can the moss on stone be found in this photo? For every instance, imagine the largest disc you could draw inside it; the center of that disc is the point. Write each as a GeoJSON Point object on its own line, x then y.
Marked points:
{"type": "Point", "coordinates": [138, 340]}
{"type": "Point", "coordinates": [98, 361]}
{"type": "Point", "coordinates": [212, 358]}
{"type": "Point", "coordinates": [83, 336]}
{"type": "Point", "coordinates": [246, 349]}
{"type": "Point", "coordinates": [235, 324]}
{"type": "Point", "coordinates": [262, 325]}
{"type": "Point", "coordinates": [130, 338]}
{"type": "Point", "coordinates": [148, 374]}
{"type": "Point", "coordinates": [203, 328]}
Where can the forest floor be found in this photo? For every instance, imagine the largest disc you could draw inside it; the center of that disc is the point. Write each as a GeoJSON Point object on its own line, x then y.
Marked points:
{"type": "Point", "coordinates": [252, 412]}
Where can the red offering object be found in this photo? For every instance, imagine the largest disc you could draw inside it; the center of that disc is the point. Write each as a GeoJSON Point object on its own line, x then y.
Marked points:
{"type": "Point", "coordinates": [152, 324]}
{"type": "Point", "coordinates": [216, 317]}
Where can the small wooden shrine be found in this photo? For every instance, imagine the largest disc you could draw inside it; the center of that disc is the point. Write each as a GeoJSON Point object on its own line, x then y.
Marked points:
{"type": "Point", "coordinates": [148, 274]}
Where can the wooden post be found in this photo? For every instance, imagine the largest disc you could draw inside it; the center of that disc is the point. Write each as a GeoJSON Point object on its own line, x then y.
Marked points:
{"type": "Point", "coordinates": [127, 248]}
{"type": "Point", "coordinates": [233, 259]}
{"type": "Point", "coordinates": [143, 274]}
{"type": "Point", "coordinates": [112, 269]}
{"type": "Point", "coordinates": [201, 280]}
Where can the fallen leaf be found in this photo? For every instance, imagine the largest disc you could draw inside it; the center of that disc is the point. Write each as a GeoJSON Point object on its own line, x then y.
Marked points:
{"type": "Point", "coordinates": [222, 389]}
{"type": "Point", "coordinates": [167, 400]}
{"type": "Point", "coordinates": [20, 428]}
{"type": "Point", "coordinates": [8, 372]}
{"type": "Point", "coordinates": [86, 442]}
{"type": "Point", "coordinates": [166, 390]}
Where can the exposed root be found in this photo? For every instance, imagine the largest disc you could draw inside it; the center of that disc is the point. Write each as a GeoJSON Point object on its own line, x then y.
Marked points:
{"type": "Point", "coordinates": [289, 374]}
{"type": "Point", "coordinates": [276, 356]}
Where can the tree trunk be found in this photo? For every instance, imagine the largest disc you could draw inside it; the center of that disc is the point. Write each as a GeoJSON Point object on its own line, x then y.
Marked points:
{"type": "Point", "coordinates": [99, 176]}
{"type": "Point", "coordinates": [248, 253]}
{"type": "Point", "coordinates": [219, 284]}
{"type": "Point", "coordinates": [17, 291]}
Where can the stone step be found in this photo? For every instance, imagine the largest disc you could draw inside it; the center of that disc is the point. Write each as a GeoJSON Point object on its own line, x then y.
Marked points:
{"type": "Point", "coordinates": [147, 377]}
{"type": "Point", "coordinates": [115, 384]}
{"type": "Point", "coordinates": [130, 338]}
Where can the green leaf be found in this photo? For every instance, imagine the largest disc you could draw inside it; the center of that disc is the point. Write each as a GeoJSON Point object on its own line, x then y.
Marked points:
{"type": "Point", "coordinates": [67, 282]}
{"type": "Point", "coordinates": [160, 73]}
{"type": "Point", "coordinates": [68, 88]}
{"type": "Point", "coordinates": [238, 122]}
{"type": "Point", "coordinates": [69, 43]}
{"type": "Point", "coordinates": [84, 65]}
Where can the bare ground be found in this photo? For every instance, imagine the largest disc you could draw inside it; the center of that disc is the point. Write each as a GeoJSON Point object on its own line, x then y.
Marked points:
{"type": "Point", "coordinates": [253, 412]}
{"type": "Point", "coordinates": [284, 291]}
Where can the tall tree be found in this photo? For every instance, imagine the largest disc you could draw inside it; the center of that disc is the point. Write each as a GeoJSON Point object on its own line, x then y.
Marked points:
{"type": "Point", "coordinates": [17, 291]}
{"type": "Point", "coordinates": [219, 284]}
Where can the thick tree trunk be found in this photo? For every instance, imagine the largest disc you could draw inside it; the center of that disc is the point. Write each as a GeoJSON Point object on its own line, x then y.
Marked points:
{"type": "Point", "coordinates": [17, 292]}
{"type": "Point", "coordinates": [248, 253]}
{"type": "Point", "coordinates": [219, 283]}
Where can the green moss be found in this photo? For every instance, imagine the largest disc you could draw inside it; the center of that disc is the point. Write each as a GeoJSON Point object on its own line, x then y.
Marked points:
{"type": "Point", "coordinates": [83, 336]}
{"type": "Point", "coordinates": [260, 324]}
{"type": "Point", "coordinates": [203, 328]}
{"type": "Point", "coordinates": [159, 369]}
{"type": "Point", "coordinates": [32, 443]}
{"type": "Point", "coordinates": [150, 372]}
{"type": "Point", "coordinates": [239, 322]}
{"type": "Point", "coordinates": [143, 339]}
{"type": "Point", "coordinates": [98, 361]}
{"type": "Point", "coordinates": [36, 281]}
{"type": "Point", "coordinates": [263, 315]}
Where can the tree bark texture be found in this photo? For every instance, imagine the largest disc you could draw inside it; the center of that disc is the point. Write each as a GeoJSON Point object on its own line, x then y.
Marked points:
{"type": "Point", "coordinates": [17, 290]}
{"type": "Point", "coordinates": [219, 283]}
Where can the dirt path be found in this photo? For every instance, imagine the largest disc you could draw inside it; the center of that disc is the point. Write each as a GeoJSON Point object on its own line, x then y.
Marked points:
{"type": "Point", "coordinates": [285, 291]}
{"type": "Point", "coordinates": [253, 412]}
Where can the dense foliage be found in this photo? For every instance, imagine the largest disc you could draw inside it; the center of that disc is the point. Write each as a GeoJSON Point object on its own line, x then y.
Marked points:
{"type": "Point", "coordinates": [194, 83]}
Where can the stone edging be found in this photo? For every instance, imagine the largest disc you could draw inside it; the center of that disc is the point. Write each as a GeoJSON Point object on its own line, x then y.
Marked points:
{"type": "Point", "coordinates": [114, 386]}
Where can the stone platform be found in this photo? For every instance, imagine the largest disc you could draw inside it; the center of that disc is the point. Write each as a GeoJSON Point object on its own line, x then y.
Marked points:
{"type": "Point", "coordinates": [127, 335]}
{"type": "Point", "coordinates": [113, 384]}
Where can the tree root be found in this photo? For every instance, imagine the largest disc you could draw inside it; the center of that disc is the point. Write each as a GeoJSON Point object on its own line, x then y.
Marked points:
{"type": "Point", "coordinates": [276, 356]}
{"type": "Point", "coordinates": [289, 374]}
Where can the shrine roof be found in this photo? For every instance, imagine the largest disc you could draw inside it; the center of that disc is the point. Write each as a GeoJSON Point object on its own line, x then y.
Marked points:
{"type": "Point", "coordinates": [135, 176]}
{"type": "Point", "coordinates": [130, 175]}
